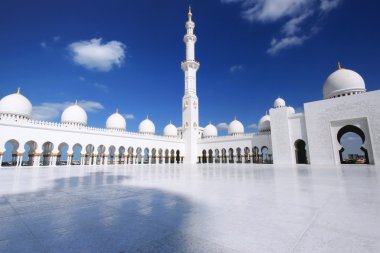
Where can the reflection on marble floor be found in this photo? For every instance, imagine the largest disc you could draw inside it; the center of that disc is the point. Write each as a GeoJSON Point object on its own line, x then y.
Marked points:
{"type": "Point", "coordinates": [202, 208]}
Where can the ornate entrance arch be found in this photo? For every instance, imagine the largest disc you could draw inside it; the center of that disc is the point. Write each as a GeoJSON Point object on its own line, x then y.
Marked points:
{"type": "Point", "coordinates": [356, 130]}
{"type": "Point", "coordinates": [300, 149]}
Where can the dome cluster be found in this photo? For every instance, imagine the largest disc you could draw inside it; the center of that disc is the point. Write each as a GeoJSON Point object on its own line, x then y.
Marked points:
{"type": "Point", "coordinates": [210, 131]}
{"type": "Point", "coordinates": [147, 127]}
{"type": "Point", "coordinates": [74, 115]}
{"type": "Point", "coordinates": [116, 122]}
{"type": "Point", "coordinates": [235, 128]}
{"type": "Point", "coordinates": [279, 103]}
{"type": "Point", "coordinates": [170, 130]}
{"type": "Point", "coordinates": [16, 104]}
{"type": "Point", "coordinates": [343, 82]}
{"type": "Point", "coordinates": [264, 124]}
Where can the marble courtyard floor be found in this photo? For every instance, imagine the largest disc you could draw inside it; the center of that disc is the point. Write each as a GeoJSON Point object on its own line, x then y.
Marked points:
{"type": "Point", "coordinates": [202, 208]}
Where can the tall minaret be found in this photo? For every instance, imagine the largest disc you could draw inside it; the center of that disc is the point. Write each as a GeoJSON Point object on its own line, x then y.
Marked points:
{"type": "Point", "coordinates": [190, 118]}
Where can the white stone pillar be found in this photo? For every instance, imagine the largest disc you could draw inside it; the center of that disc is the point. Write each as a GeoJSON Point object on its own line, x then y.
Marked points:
{"type": "Point", "coordinates": [1, 158]}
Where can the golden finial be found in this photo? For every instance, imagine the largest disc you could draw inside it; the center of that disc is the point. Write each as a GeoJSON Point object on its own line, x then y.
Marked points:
{"type": "Point", "coordinates": [76, 101]}
{"type": "Point", "coordinates": [235, 118]}
{"type": "Point", "coordinates": [190, 14]}
{"type": "Point", "coordinates": [18, 90]}
{"type": "Point", "coordinates": [339, 66]}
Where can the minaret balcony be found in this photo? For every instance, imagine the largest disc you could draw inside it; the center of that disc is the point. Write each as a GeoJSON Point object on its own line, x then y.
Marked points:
{"type": "Point", "coordinates": [190, 64]}
{"type": "Point", "coordinates": [190, 37]}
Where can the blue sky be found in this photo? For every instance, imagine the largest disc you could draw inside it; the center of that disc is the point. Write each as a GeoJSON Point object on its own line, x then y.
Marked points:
{"type": "Point", "coordinates": [251, 52]}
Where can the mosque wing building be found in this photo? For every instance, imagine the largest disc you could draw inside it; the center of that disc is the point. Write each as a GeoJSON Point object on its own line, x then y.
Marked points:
{"type": "Point", "coordinates": [284, 137]}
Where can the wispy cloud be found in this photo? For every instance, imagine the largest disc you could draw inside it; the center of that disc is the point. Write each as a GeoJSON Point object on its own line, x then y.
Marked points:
{"type": "Point", "coordinates": [43, 44]}
{"type": "Point", "coordinates": [284, 43]}
{"type": "Point", "coordinates": [295, 13]}
{"type": "Point", "coordinates": [236, 68]}
{"type": "Point", "coordinates": [129, 116]}
{"type": "Point", "coordinates": [252, 126]}
{"type": "Point", "coordinates": [56, 38]}
{"type": "Point", "coordinates": [51, 111]}
{"type": "Point", "coordinates": [328, 5]}
{"type": "Point", "coordinates": [222, 125]}
{"type": "Point", "coordinates": [95, 55]}
{"type": "Point", "coordinates": [101, 87]}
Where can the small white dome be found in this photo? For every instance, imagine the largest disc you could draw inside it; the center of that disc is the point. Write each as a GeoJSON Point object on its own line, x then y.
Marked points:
{"type": "Point", "coordinates": [235, 127]}
{"type": "Point", "coordinates": [292, 109]}
{"type": "Point", "coordinates": [147, 127]}
{"type": "Point", "coordinates": [343, 82]}
{"type": "Point", "coordinates": [210, 131]}
{"type": "Point", "coordinates": [74, 114]}
{"type": "Point", "coordinates": [16, 104]}
{"type": "Point", "coordinates": [116, 121]}
{"type": "Point", "coordinates": [264, 123]}
{"type": "Point", "coordinates": [170, 130]}
{"type": "Point", "coordinates": [279, 102]}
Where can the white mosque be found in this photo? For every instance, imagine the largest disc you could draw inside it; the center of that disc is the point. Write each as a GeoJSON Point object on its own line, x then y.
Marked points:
{"type": "Point", "coordinates": [284, 137]}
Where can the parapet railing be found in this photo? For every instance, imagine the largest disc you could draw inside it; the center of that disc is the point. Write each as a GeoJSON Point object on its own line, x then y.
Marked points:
{"type": "Point", "coordinates": [23, 121]}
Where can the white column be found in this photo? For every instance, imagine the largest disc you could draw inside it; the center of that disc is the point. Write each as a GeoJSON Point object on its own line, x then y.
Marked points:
{"type": "Point", "coordinates": [37, 158]}
{"type": "Point", "coordinates": [19, 159]}
{"type": "Point", "coordinates": [1, 158]}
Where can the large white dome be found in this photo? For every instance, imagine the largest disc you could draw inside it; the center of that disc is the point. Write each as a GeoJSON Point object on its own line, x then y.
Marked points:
{"type": "Point", "coordinates": [279, 102]}
{"type": "Point", "coordinates": [264, 123]}
{"type": "Point", "coordinates": [170, 130]}
{"type": "Point", "coordinates": [235, 127]}
{"type": "Point", "coordinates": [210, 131]}
{"type": "Point", "coordinates": [74, 114]}
{"type": "Point", "coordinates": [147, 127]}
{"type": "Point", "coordinates": [116, 121]}
{"type": "Point", "coordinates": [16, 104]}
{"type": "Point", "coordinates": [343, 82]}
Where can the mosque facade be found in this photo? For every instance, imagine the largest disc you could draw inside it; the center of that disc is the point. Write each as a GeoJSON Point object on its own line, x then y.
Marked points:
{"type": "Point", "coordinates": [284, 137]}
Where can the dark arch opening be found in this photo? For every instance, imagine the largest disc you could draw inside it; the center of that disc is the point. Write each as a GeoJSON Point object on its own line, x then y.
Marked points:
{"type": "Point", "coordinates": [356, 130]}
{"type": "Point", "coordinates": [204, 156]}
{"type": "Point", "coordinates": [178, 158]}
{"type": "Point", "coordinates": [301, 155]}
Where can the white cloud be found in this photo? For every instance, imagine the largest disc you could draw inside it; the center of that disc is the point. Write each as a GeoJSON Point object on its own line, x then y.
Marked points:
{"type": "Point", "coordinates": [293, 26]}
{"type": "Point", "coordinates": [51, 111]}
{"type": "Point", "coordinates": [286, 42]}
{"type": "Point", "coordinates": [272, 10]}
{"type": "Point", "coordinates": [328, 5]}
{"type": "Point", "coordinates": [95, 55]}
{"type": "Point", "coordinates": [43, 44]}
{"type": "Point", "coordinates": [222, 126]}
{"type": "Point", "coordinates": [235, 68]}
{"type": "Point", "coordinates": [293, 12]}
{"type": "Point", "coordinates": [129, 116]}
{"type": "Point", "coordinates": [101, 87]}
{"type": "Point", "coordinates": [253, 126]}
{"type": "Point", "coordinates": [81, 78]}
{"type": "Point", "coordinates": [56, 38]}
